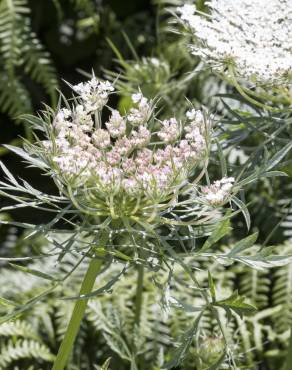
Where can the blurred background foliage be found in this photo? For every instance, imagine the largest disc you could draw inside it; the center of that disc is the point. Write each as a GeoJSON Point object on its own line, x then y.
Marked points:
{"type": "Point", "coordinates": [43, 43]}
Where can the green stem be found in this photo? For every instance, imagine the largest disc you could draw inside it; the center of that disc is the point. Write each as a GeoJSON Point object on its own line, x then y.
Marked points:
{"type": "Point", "coordinates": [288, 365]}
{"type": "Point", "coordinates": [139, 294]}
{"type": "Point", "coordinates": [246, 96]}
{"type": "Point", "coordinates": [77, 315]}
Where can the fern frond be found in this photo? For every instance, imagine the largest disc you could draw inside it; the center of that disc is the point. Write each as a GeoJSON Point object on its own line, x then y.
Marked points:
{"type": "Point", "coordinates": [11, 27]}
{"type": "Point", "coordinates": [23, 349]}
{"type": "Point", "coordinates": [282, 296]}
{"type": "Point", "coordinates": [21, 53]}
{"type": "Point", "coordinates": [14, 98]}
{"type": "Point", "coordinates": [18, 328]}
{"type": "Point", "coordinates": [38, 65]}
{"type": "Point", "coordinates": [255, 285]}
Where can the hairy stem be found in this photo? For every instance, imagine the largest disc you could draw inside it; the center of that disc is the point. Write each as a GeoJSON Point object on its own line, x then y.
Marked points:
{"type": "Point", "coordinates": [139, 294]}
{"type": "Point", "coordinates": [77, 315]}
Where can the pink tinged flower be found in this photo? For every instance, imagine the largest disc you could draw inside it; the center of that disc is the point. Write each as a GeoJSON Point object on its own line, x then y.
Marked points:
{"type": "Point", "coordinates": [140, 138]}
{"type": "Point", "coordinates": [131, 186]}
{"type": "Point", "coordinates": [195, 129]}
{"type": "Point", "coordinates": [124, 164]}
{"type": "Point", "coordinates": [218, 193]}
{"type": "Point", "coordinates": [129, 165]}
{"type": "Point", "coordinates": [124, 146]}
{"type": "Point", "coordinates": [169, 131]}
{"type": "Point", "coordinates": [82, 118]}
{"type": "Point", "coordinates": [109, 176]}
{"type": "Point", "coordinates": [101, 138]}
{"type": "Point", "coordinates": [163, 155]}
{"type": "Point", "coordinates": [144, 158]}
{"type": "Point", "coordinates": [75, 161]}
{"type": "Point", "coordinates": [113, 157]}
{"type": "Point", "coordinates": [197, 120]}
{"type": "Point", "coordinates": [77, 136]}
{"type": "Point", "coordinates": [144, 179]}
{"type": "Point", "coordinates": [116, 125]}
{"type": "Point", "coordinates": [141, 114]}
{"type": "Point", "coordinates": [195, 138]}
{"type": "Point", "coordinates": [62, 144]}
{"type": "Point", "coordinates": [162, 176]}
{"type": "Point", "coordinates": [94, 152]}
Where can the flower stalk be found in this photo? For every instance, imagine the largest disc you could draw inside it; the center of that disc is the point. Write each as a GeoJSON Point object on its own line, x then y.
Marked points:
{"type": "Point", "coordinates": [77, 315]}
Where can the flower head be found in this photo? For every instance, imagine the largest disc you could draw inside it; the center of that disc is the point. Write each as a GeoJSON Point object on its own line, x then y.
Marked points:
{"type": "Point", "coordinates": [94, 93]}
{"type": "Point", "coordinates": [123, 160]}
{"type": "Point", "coordinates": [254, 37]}
{"type": "Point", "coordinates": [218, 193]}
{"type": "Point", "coordinates": [169, 131]}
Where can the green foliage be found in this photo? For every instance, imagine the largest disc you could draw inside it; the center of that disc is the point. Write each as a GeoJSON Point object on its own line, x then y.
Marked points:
{"type": "Point", "coordinates": [23, 349]}
{"type": "Point", "coordinates": [177, 327]}
{"type": "Point", "coordinates": [21, 54]}
{"type": "Point", "coordinates": [282, 295]}
{"type": "Point", "coordinates": [167, 312]}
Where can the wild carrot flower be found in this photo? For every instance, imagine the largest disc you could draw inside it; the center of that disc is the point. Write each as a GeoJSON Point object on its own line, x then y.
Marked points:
{"type": "Point", "coordinates": [123, 167]}
{"type": "Point", "coordinates": [253, 37]}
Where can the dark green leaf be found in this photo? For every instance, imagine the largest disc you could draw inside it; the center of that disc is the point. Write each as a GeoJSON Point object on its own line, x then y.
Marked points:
{"type": "Point", "coordinates": [278, 156]}
{"type": "Point", "coordinates": [186, 341]}
{"type": "Point", "coordinates": [237, 304]}
{"type": "Point", "coordinates": [222, 229]}
{"type": "Point", "coordinates": [34, 272]}
{"type": "Point", "coordinates": [243, 244]}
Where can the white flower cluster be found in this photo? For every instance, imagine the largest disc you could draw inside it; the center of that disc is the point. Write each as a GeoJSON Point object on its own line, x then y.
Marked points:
{"type": "Point", "coordinates": [125, 155]}
{"type": "Point", "coordinates": [218, 193]}
{"type": "Point", "coordinates": [94, 93]}
{"type": "Point", "coordinates": [142, 113]}
{"type": "Point", "coordinates": [254, 36]}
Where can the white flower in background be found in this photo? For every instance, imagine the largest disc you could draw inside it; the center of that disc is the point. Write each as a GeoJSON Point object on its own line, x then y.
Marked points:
{"type": "Point", "coordinates": [219, 192]}
{"type": "Point", "coordinates": [237, 155]}
{"type": "Point", "coordinates": [195, 115]}
{"type": "Point", "coordinates": [187, 11]}
{"type": "Point", "coordinates": [254, 37]}
{"type": "Point", "coordinates": [137, 97]}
